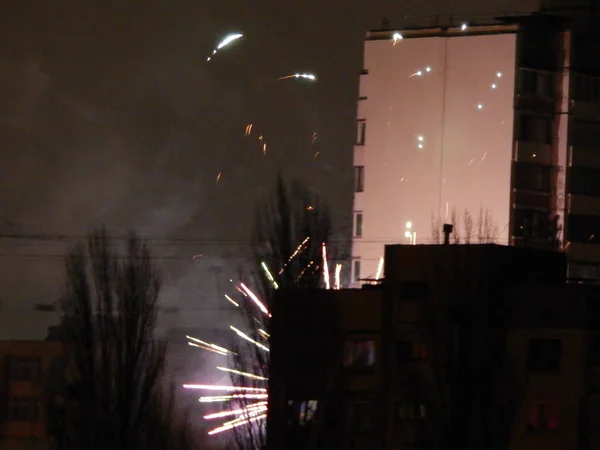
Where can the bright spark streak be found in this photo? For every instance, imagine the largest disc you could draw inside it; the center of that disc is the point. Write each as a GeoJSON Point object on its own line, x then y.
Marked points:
{"type": "Point", "coordinates": [269, 275]}
{"type": "Point", "coordinates": [244, 374]}
{"type": "Point", "coordinates": [208, 344]}
{"type": "Point", "coordinates": [235, 412]}
{"type": "Point", "coordinates": [247, 415]}
{"type": "Point", "coordinates": [264, 333]}
{"type": "Point", "coordinates": [248, 338]}
{"type": "Point", "coordinates": [264, 149]}
{"type": "Point", "coordinates": [229, 427]}
{"type": "Point", "coordinates": [397, 37]}
{"type": "Point", "coordinates": [228, 40]}
{"type": "Point", "coordinates": [199, 255]}
{"type": "Point", "coordinates": [314, 137]}
{"type": "Point", "coordinates": [325, 267]}
{"type": "Point", "coordinates": [226, 398]}
{"type": "Point", "coordinates": [316, 155]}
{"type": "Point", "coordinates": [306, 76]}
{"type": "Point", "coordinates": [207, 348]}
{"type": "Point", "coordinates": [337, 277]}
{"type": "Point", "coordinates": [379, 269]}
{"type": "Point", "coordinates": [248, 129]}
{"type": "Point", "coordinates": [232, 301]}
{"type": "Point", "coordinates": [219, 177]}
{"type": "Point", "coordinates": [213, 387]}
{"type": "Point", "coordinates": [255, 299]}
{"type": "Point", "coordinates": [298, 250]}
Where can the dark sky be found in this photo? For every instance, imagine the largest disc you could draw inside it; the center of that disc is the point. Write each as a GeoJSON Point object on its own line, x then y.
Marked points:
{"type": "Point", "coordinates": [109, 113]}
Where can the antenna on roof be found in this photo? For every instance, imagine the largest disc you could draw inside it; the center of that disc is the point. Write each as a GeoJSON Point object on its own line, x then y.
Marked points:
{"type": "Point", "coordinates": [385, 24]}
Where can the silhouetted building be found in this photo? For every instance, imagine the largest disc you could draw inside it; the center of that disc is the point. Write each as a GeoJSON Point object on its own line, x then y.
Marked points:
{"type": "Point", "coordinates": [493, 126]}
{"type": "Point", "coordinates": [30, 372]}
{"type": "Point", "coordinates": [419, 361]}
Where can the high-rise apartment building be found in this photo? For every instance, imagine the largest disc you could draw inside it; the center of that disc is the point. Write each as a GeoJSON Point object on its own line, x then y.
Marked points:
{"type": "Point", "coordinates": [494, 128]}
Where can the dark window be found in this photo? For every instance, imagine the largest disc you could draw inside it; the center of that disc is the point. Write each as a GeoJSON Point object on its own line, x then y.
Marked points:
{"type": "Point", "coordinates": [584, 181]}
{"type": "Point", "coordinates": [584, 229]}
{"type": "Point", "coordinates": [535, 128]}
{"type": "Point", "coordinates": [356, 270]}
{"type": "Point", "coordinates": [532, 177]}
{"type": "Point", "coordinates": [359, 353]}
{"type": "Point", "coordinates": [414, 290]}
{"type": "Point", "coordinates": [23, 409]}
{"type": "Point", "coordinates": [544, 355]}
{"type": "Point", "coordinates": [359, 178]}
{"type": "Point", "coordinates": [538, 83]}
{"type": "Point", "coordinates": [359, 416]}
{"type": "Point", "coordinates": [412, 351]}
{"type": "Point", "coordinates": [531, 224]}
{"type": "Point", "coordinates": [361, 132]}
{"type": "Point", "coordinates": [408, 412]}
{"type": "Point", "coordinates": [25, 368]}
{"type": "Point", "coordinates": [586, 89]}
{"type": "Point", "coordinates": [543, 416]}
{"type": "Point", "coordinates": [358, 224]}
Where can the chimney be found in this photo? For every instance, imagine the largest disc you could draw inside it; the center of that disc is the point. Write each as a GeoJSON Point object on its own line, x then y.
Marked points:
{"type": "Point", "coordinates": [448, 227]}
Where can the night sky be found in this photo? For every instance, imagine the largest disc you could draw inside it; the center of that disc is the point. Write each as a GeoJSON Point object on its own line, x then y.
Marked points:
{"type": "Point", "coordinates": [110, 114]}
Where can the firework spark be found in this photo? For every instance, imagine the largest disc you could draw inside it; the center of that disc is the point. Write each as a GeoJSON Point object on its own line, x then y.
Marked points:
{"type": "Point", "coordinates": [325, 268]}
{"type": "Point", "coordinates": [243, 374]}
{"type": "Point", "coordinates": [218, 177]}
{"type": "Point", "coordinates": [264, 148]}
{"type": "Point", "coordinates": [379, 269]}
{"type": "Point", "coordinates": [269, 275]}
{"type": "Point", "coordinates": [306, 76]}
{"type": "Point", "coordinates": [337, 277]}
{"type": "Point", "coordinates": [248, 129]}
{"type": "Point", "coordinates": [238, 424]}
{"type": "Point", "coordinates": [209, 345]}
{"type": "Point", "coordinates": [224, 43]}
{"type": "Point", "coordinates": [227, 398]}
{"type": "Point", "coordinates": [232, 301]}
{"type": "Point", "coordinates": [235, 412]}
{"type": "Point", "coordinates": [214, 387]}
{"type": "Point", "coordinates": [255, 299]}
{"type": "Point", "coordinates": [264, 334]}
{"type": "Point", "coordinates": [296, 252]}
{"type": "Point", "coordinates": [248, 338]}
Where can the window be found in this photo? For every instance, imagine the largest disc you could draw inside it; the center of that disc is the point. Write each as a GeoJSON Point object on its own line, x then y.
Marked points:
{"type": "Point", "coordinates": [415, 290]}
{"type": "Point", "coordinates": [25, 368]}
{"type": "Point", "coordinates": [358, 224]}
{"type": "Point", "coordinates": [359, 416]}
{"type": "Point", "coordinates": [359, 178]}
{"type": "Point", "coordinates": [301, 412]}
{"type": "Point", "coordinates": [544, 355]}
{"type": "Point", "coordinates": [584, 229]}
{"type": "Point", "coordinates": [23, 409]}
{"type": "Point", "coordinates": [584, 181]}
{"type": "Point", "coordinates": [533, 177]}
{"type": "Point", "coordinates": [585, 134]}
{"type": "Point", "coordinates": [543, 416]}
{"type": "Point", "coordinates": [361, 132]}
{"type": "Point", "coordinates": [359, 353]}
{"type": "Point", "coordinates": [587, 89]}
{"type": "Point", "coordinates": [535, 128]}
{"type": "Point", "coordinates": [537, 83]}
{"type": "Point", "coordinates": [356, 270]}
{"type": "Point", "coordinates": [412, 351]}
{"type": "Point", "coordinates": [408, 412]}
{"type": "Point", "coordinates": [531, 224]}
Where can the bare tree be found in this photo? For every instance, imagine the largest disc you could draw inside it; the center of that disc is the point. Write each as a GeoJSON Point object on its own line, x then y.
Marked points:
{"type": "Point", "coordinates": [290, 230]}
{"type": "Point", "coordinates": [485, 227]}
{"type": "Point", "coordinates": [468, 225]}
{"type": "Point", "coordinates": [116, 395]}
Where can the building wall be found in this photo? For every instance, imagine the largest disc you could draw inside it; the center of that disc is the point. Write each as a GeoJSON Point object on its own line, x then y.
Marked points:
{"type": "Point", "coordinates": [26, 373]}
{"type": "Point", "coordinates": [435, 128]}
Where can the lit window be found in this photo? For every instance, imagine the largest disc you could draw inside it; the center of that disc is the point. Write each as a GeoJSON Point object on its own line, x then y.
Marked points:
{"type": "Point", "coordinates": [359, 178]}
{"type": "Point", "coordinates": [408, 412]}
{"type": "Point", "coordinates": [358, 224]}
{"type": "Point", "coordinates": [23, 409]}
{"type": "Point", "coordinates": [412, 351]}
{"type": "Point", "coordinates": [359, 353]}
{"type": "Point", "coordinates": [361, 132]}
{"type": "Point", "coordinates": [543, 416]}
{"type": "Point", "coordinates": [544, 355]}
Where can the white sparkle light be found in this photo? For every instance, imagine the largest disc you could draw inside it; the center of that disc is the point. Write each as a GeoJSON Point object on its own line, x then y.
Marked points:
{"type": "Point", "coordinates": [499, 74]}
{"type": "Point", "coordinates": [479, 106]}
{"type": "Point", "coordinates": [463, 27]}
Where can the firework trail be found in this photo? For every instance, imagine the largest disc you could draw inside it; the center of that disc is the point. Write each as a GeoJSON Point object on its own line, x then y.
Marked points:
{"type": "Point", "coordinates": [224, 43]}
{"type": "Point", "coordinates": [379, 269]}
{"type": "Point", "coordinates": [325, 268]}
{"type": "Point", "coordinates": [306, 76]}
{"type": "Point", "coordinates": [337, 277]}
